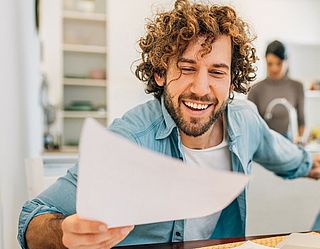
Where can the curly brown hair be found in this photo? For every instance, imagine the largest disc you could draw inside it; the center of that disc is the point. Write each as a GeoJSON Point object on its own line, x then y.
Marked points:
{"type": "Point", "coordinates": [170, 33]}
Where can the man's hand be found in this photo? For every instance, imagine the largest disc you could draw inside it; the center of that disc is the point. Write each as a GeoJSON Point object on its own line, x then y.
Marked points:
{"type": "Point", "coordinates": [80, 233]}
{"type": "Point", "coordinates": [315, 170]}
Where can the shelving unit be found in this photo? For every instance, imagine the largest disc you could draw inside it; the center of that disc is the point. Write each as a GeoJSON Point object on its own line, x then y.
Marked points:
{"type": "Point", "coordinates": [83, 56]}
{"type": "Point", "coordinates": [73, 35]}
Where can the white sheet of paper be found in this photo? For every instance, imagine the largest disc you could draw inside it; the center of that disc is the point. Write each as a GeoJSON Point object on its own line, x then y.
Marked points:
{"type": "Point", "coordinates": [252, 245]}
{"type": "Point", "coordinates": [120, 183]}
{"type": "Point", "coordinates": [304, 240]}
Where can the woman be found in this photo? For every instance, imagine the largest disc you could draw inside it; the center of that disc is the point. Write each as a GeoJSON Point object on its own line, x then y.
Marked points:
{"type": "Point", "coordinates": [280, 100]}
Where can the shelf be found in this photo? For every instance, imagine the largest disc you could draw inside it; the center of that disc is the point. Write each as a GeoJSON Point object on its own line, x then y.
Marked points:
{"type": "Point", "coordinates": [84, 48]}
{"type": "Point", "coordinates": [70, 149]}
{"type": "Point", "coordinates": [313, 93]}
{"type": "Point", "coordinates": [65, 153]}
{"type": "Point", "coordinates": [80, 114]}
{"type": "Point", "coordinates": [77, 15]}
{"type": "Point", "coordinates": [84, 82]}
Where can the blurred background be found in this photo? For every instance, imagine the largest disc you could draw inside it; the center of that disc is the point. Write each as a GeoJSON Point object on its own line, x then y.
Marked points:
{"type": "Point", "coordinates": [64, 60]}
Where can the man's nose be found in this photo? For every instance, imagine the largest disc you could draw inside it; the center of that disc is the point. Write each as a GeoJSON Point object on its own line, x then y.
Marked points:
{"type": "Point", "coordinates": [200, 86]}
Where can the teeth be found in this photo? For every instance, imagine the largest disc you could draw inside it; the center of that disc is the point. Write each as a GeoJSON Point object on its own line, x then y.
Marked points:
{"type": "Point", "coordinates": [196, 106]}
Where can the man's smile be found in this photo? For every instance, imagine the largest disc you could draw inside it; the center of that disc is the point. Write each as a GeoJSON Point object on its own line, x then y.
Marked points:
{"type": "Point", "coordinates": [196, 106]}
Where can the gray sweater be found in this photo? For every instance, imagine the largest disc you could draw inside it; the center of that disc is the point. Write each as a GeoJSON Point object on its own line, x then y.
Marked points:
{"type": "Point", "coordinates": [264, 91]}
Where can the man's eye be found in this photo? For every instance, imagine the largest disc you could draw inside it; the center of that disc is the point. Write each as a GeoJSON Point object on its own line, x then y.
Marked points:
{"type": "Point", "coordinates": [187, 69]}
{"type": "Point", "coordinates": [217, 73]}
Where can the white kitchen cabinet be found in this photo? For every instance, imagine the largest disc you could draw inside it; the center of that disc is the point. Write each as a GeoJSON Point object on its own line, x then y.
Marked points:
{"type": "Point", "coordinates": [74, 54]}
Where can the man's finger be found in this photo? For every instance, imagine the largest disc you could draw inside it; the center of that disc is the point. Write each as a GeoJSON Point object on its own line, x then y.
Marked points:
{"type": "Point", "coordinates": [101, 245]}
{"type": "Point", "coordinates": [74, 224]}
{"type": "Point", "coordinates": [117, 234]}
{"type": "Point", "coordinates": [84, 239]}
{"type": "Point", "coordinates": [315, 173]}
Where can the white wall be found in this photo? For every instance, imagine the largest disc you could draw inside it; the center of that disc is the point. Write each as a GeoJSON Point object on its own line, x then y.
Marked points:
{"type": "Point", "coordinates": [126, 21]}
{"type": "Point", "coordinates": [31, 79]}
{"type": "Point", "coordinates": [20, 126]}
{"type": "Point", "coordinates": [11, 122]}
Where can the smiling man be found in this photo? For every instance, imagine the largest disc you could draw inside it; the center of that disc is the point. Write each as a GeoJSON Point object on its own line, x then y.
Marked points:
{"type": "Point", "coordinates": [192, 59]}
{"type": "Point", "coordinates": [196, 89]}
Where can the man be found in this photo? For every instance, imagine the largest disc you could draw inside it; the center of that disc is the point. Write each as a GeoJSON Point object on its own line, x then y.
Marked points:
{"type": "Point", "coordinates": [193, 58]}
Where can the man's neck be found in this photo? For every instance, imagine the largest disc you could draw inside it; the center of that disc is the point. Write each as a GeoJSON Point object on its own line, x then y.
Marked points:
{"type": "Point", "coordinates": [211, 138]}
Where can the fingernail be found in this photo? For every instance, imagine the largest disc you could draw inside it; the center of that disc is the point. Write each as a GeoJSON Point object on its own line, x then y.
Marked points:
{"type": "Point", "coordinates": [102, 228]}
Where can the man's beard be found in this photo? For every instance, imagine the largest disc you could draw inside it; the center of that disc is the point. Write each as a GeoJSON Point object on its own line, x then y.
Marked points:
{"type": "Point", "coordinates": [195, 127]}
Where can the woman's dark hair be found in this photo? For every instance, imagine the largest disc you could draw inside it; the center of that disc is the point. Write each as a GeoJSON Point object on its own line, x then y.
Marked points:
{"type": "Point", "coordinates": [169, 34]}
{"type": "Point", "coordinates": [278, 49]}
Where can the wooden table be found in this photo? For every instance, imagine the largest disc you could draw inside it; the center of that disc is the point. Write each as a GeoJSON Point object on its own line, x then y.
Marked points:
{"type": "Point", "coordinates": [200, 243]}
{"type": "Point", "coordinates": [195, 244]}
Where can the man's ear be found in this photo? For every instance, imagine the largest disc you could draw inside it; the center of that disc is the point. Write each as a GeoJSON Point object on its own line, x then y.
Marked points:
{"type": "Point", "coordinates": [231, 93]}
{"type": "Point", "coordinates": [231, 88]}
{"type": "Point", "coordinates": [160, 80]}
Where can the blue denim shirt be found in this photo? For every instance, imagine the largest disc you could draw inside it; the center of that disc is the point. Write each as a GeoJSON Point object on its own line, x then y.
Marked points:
{"type": "Point", "coordinates": [150, 125]}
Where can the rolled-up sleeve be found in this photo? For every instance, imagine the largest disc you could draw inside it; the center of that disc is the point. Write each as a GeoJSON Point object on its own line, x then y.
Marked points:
{"type": "Point", "coordinates": [58, 198]}
{"type": "Point", "coordinates": [30, 210]}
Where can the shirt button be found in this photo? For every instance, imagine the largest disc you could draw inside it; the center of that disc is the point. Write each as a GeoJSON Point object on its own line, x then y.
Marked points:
{"type": "Point", "coordinates": [178, 234]}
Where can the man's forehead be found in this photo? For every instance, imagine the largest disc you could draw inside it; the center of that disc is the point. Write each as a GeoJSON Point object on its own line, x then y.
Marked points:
{"type": "Point", "coordinates": [220, 49]}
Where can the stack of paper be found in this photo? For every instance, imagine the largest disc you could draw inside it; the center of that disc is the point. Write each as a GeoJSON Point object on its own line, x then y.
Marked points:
{"type": "Point", "coordinates": [252, 245]}
{"type": "Point", "coordinates": [301, 241]}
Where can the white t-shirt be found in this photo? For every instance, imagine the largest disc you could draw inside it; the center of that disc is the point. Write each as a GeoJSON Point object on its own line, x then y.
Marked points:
{"type": "Point", "coordinates": [217, 157]}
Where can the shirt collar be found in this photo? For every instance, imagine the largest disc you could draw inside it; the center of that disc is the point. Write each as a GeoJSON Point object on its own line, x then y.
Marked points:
{"type": "Point", "coordinates": [233, 127]}
{"type": "Point", "coordinates": [168, 125]}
